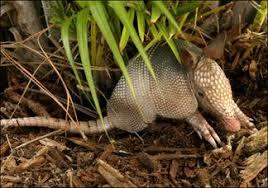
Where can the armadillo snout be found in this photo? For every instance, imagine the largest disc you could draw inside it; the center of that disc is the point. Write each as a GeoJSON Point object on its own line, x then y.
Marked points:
{"type": "Point", "coordinates": [232, 124]}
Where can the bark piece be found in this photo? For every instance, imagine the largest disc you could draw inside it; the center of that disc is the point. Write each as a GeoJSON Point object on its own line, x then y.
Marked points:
{"type": "Point", "coordinates": [174, 156]}
{"type": "Point", "coordinates": [113, 176]}
{"type": "Point", "coordinates": [254, 165]}
{"type": "Point", "coordinates": [147, 161]}
{"type": "Point", "coordinates": [74, 180]}
{"type": "Point", "coordinates": [257, 141]}
{"type": "Point", "coordinates": [54, 144]}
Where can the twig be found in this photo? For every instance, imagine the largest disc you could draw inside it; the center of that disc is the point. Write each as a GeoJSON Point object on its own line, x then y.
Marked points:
{"type": "Point", "coordinates": [38, 138]}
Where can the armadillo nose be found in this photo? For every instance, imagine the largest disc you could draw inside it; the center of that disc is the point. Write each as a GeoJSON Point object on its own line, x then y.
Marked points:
{"type": "Point", "coordinates": [232, 124]}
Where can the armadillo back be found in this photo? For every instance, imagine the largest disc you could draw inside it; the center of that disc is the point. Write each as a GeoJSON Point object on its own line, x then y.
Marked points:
{"type": "Point", "coordinates": [126, 111]}
{"type": "Point", "coordinates": [170, 96]}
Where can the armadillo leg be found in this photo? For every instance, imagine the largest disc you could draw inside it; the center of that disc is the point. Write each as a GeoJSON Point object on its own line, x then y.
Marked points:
{"type": "Point", "coordinates": [203, 129]}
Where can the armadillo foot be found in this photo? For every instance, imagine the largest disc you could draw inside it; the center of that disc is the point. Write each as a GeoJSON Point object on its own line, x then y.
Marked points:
{"type": "Point", "coordinates": [249, 125]}
{"type": "Point", "coordinates": [203, 129]}
{"type": "Point", "coordinates": [208, 133]}
{"type": "Point", "coordinates": [246, 122]}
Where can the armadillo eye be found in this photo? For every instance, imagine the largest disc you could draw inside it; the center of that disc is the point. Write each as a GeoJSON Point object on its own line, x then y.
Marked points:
{"type": "Point", "coordinates": [200, 94]}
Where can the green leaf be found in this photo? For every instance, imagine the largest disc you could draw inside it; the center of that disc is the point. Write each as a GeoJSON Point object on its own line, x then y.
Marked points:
{"type": "Point", "coordinates": [137, 5]}
{"type": "Point", "coordinates": [156, 13]}
{"type": "Point", "coordinates": [93, 37]}
{"type": "Point", "coordinates": [165, 11]}
{"type": "Point", "coordinates": [82, 4]}
{"type": "Point", "coordinates": [260, 17]}
{"type": "Point", "coordinates": [182, 21]}
{"type": "Point", "coordinates": [187, 7]}
{"type": "Point", "coordinates": [169, 41]}
{"type": "Point", "coordinates": [116, 24]}
{"type": "Point", "coordinates": [141, 24]}
{"type": "Point", "coordinates": [82, 38]}
{"type": "Point", "coordinates": [153, 42]}
{"type": "Point", "coordinates": [140, 5]}
{"type": "Point", "coordinates": [171, 30]}
{"type": "Point", "coordinates": [123, 16]}
{"type": "Point", "coordinates": [111, 16]}
{"type": "Point", "coordinates": [125, 36]}
{"type": "Point", "coordinates": [65, 40]}
{"type": "Point", "coordinates": [99, 14]}
{"type": "Point", "coordinates": [152, 28]}
{"type": "Point", "coordinates": [175, 6]}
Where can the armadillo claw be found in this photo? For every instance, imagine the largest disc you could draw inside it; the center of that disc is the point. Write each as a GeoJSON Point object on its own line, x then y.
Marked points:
{"type": "Point", "coordinates": [210, 135]}
{"type": "Point", "coordinates": [199, 134]}
{"type": "Point", "coordinates": [203, 129]}
{"type": "Point", "coordinates": [251, 127]}
{"type": "Point", "coordinates": [214, 134]}
{"type": "Point", "coordinates": [212, 142]}
{"type": "Point", "coordinates": [246, 122]}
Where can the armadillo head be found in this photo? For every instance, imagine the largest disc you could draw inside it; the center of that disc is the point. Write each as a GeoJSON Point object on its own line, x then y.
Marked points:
{"type": "Point", "coordinates": [213, 92]}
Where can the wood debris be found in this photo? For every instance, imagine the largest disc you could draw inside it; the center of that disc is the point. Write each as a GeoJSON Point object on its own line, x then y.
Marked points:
{"type": "Point", "coordinates": [53, 144]}
{"type": "Point", "coordinates": [254, 165]}
{"type": "Point", "coordinates": [113, 176]}
{"type": "Point", "coordinates": [74, 180]}
{"type": "Point", "coordinates": [257, 141]}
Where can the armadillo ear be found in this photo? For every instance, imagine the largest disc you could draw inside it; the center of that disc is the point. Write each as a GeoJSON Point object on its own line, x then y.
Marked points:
{"type": "Point", "coordinates": [215, 50]}
{"type": "Point", "coordinates": [189, 58]}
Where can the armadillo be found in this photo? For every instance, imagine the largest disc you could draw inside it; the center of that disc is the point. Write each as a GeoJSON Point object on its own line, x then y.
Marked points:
{"type": "Point", "coordinates": [177, 92]}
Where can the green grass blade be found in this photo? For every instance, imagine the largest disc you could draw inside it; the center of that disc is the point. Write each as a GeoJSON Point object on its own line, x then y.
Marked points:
{"type": "Point", "coordinates": [169, 40]}
{"type": "Point", "coordinates": [187, 7]}
{"type": "Point", "coordinates": [93, 37]}
{"type": "Point", "coordinates": [166, 12]}
{"type": "Point", "coordinates": [82, 31]}
{"type": "Point", "coordinates": [182, 21]}
{"type": "Point", "coordinates": [109, 14]}
{"type": "Point", "coordinates": [151, 43]}
{"type": "Point", "coordinates": [82, 4]}
{"type": "Point", "coordinates": [65, 40]}
{"type": "Point", "coordinates": [98, 12]}
{"type": "Point", "coordinates": [156, 13]}
{"type": "Point", "coordinates": [175, 6]}
{"type": "Point", "coordinates": [154, 31]}
{"type": "Point", "coordinates": [122, 15]}
{"type": "Point", "coordinates": [125, 36]}
{"type": "Point", "coordinates": [116, 24]}
{"type": "Point", "coordinates": [140, 5]}
{"type": "Point", "coordinates": [171, 30]}
{"type": "Point", "coordinates": [141, 24]}
{"type": "Point", "coordinates": [152, 28]}
{"type": "Point", "coordinates": [260, 17]}
{"type": "Point", "coordinates": [137, 5]}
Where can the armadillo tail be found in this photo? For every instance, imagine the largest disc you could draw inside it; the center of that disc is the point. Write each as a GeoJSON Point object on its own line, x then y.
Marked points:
{"type": "Point", "coordinates": [88, 127]}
